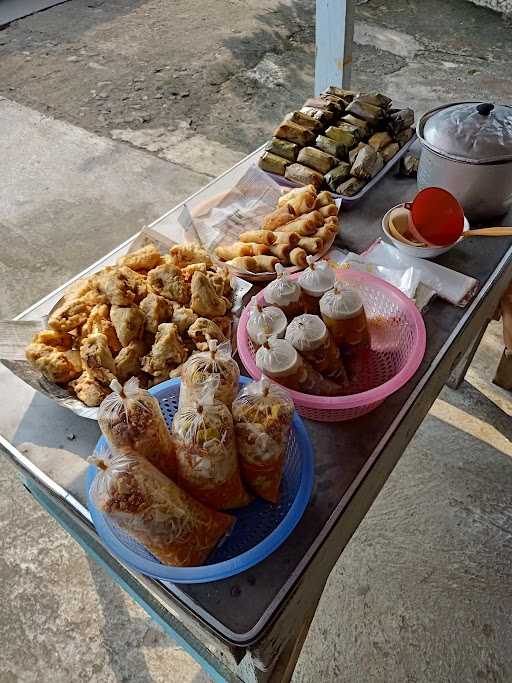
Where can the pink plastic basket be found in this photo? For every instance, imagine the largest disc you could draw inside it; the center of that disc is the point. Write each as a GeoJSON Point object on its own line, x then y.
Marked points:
{"type": "Point", "coordinates": [397, 349]}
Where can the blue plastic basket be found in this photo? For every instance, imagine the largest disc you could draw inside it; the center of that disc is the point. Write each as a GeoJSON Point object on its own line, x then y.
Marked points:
{"type": "Point", "coordinates": [260, 527]}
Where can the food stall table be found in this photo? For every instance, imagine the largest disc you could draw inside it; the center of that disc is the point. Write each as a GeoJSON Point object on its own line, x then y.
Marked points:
{"type": "Point", "coordinates": [251, 627]}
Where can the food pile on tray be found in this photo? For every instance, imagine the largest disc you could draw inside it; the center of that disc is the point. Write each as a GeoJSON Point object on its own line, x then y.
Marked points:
{"type": "Point", "coordinates": [304, 222]}
{"type": "Point", "coordinates": [142, 317]}
{"type": "Point", "coordinates": [339, 140]}
{"type": "Point", "coordinates": [169, 489]}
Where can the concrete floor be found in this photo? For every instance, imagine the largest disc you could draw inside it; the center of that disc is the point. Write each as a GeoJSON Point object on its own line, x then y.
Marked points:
{"type": "Point", "coordinates": [422, 592]}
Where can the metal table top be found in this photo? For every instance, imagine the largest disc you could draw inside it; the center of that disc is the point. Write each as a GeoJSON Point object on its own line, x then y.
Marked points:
{"type": "Point", "coordinates": [238, 609]}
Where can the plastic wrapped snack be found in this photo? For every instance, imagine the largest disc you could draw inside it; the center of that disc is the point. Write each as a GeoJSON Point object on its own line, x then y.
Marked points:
{"type": "Point", "coordinates": [309, 335]}
{"type": "Point", "coordinates": [343, 312]}
{"type": "Point", "coordinates": [262, 413]}
{"type": "Point", "coordinates": [206, 450]}
{"type": "Point", "coordinates": [278, 359]}
{"type": "Point", "coordinates": [317, 279]}
{"type": "Point", "coordinates": [216, 361]}
{"type": "Point", "coordinates": [285, 293]}
{"type": "Point", "coordinates": [132, 422]}
{"type": "Point", "coordinates": [265, 322]}
{"type": "Point", "coordinates": [151, 508]}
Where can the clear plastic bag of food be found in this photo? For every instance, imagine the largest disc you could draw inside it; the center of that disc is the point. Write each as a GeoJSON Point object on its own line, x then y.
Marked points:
{"type": "Point", "coordinates": [132, 422]}
{"type": "Point", "coordinates": [317, 279]}
{"type": "Point", "coordinates": [265, 321]}
{"type": "Point", "coordinates": [151, 508]}
{"type": "Point", "coordinates": [343, 312]}
{"type": "Point", "coordinates": [201, 366]}
{"type": "Point", "coordinates": [285, 293]}
{"type": "Point", "coordinates": [206, 450]}
{"type": "Point", "coordinates": [262, 413]}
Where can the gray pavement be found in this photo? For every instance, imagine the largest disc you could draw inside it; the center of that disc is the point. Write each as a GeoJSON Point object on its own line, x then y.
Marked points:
{"type": "Point", "coordinates": [113, 113]}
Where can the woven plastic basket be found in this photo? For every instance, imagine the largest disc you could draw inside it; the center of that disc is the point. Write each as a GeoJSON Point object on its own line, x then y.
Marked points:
{"type": "Point", "coordinates": [397, 349]}
{"type": "Point", "coordinates": [260, 527]}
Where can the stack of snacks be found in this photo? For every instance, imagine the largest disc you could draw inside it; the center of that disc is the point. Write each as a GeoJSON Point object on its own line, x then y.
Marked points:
{"type": "Point", "coordinates": [262, 414]}
{"type": "Point", "coordinates": [151, 508]}
{"type": "Point", "coordinates": [304, 222]}
{"type": "Point", "coordinates": [206, 449]}
{"type": "Point", "coordinates": [201, 366]}
{"type": "Point", "coordinates": [142, 317]}
{"type": "Point", "coordinates": [340, 139]}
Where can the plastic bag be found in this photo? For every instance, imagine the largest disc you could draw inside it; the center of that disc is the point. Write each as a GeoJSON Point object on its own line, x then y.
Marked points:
{"type": "Point", "coordinates": [151, 508]}
{"type": "Point", "coordinates": [309, 335]}
{"type": "Point", "coordinates": [264, 322]}
{"type": "Point", "coordinates": [315, 281]}
{"type": "Point", "coordinates": [201, 366]}
{"type": "Point", "coordinates": [206, 450]}
{"type": "Point", "coordinates": [343, 312]}
{"type": "Point", "coordinates": [132, 422]}
{"type": "Point", "coordinates": [262, 413]}
{"type": "Point", "coordinates": [285, 293]}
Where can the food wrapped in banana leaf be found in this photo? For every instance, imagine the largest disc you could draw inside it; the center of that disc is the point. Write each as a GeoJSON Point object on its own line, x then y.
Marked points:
{"type": "Point", "coordinates": [363, 126]}
{"type": "Point", "coordinates": [397, 121]}
{"type": "Point", "coordinates": [341, 92]}
{"type": "Point", "coordinates": [317, 159]}
{"type": "Point", "coordinates": [321, 115]}
{"type": "Point", "coordinates": [294, 133]}
{"type": "Point", "coordinates": [350, 128]}
{"type": "Point", "coordinates": [329, 146]}
{"type": "Point", "coordinates": [351, 187]}
{"type": "Point", "coordinates": [337, 175]}
{"type": "Point", "coordinates": [272, 163]}
{"type": "Point", "coordinates": [389, 151]}
{"type": "Point", "coordinates": [377, 166]}
{"type": "Point", "coordinates": [304, 175]}
{"type": "Point", "coordinates": [283, 148]}
{"type": "Point", "coordinates": [319, 103]}
{"type": "Point", "coordinates": [337, 100]}
{"type": "Point", "coordinates": [409, 166]}
{"type": "Point", "coordinates": [375, 98]}
{"type": "Point", "coordinates": [365, 111]}
{"type": "Point", "coordinates": [340, 135]}
{"type": "Point", "coordinates": [353, 152]}
{"type": "Point", "coordinates": [380, 140]}
{"type": "Point", "coordinates": [404, 136]}
{"type": "Point", "coordinates": [364, 164]}
{"type": "Point", "coordinates": [304, 120]}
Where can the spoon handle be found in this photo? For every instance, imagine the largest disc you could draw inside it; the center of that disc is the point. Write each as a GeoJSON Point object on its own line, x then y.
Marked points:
{"type": "Point", "coordinates": [488, 232]}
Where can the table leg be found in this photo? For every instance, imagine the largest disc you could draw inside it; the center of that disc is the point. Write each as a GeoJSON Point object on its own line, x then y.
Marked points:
{"type": "Point", "coordinates": [503, 376]}
{"type": "Point", "coordinates": [464, 360]}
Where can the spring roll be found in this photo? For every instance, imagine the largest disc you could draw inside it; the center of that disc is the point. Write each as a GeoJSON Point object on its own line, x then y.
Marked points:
{"type": "Point", "coordinates": [311, 245]}
{"type": "Point", "coordinates": [227, 252]}
{"type": "Point", "coordinates": [298, 257]}
{"type": "Point", "coordinates": [265, 264]}
{"type": "Point", "coordinates": [243, 263]}
{"type": "Point", "coordinates": [283, 214]}
{"type": "Point", "coordinates": [305, 225]}
{"type": "Point", "coordinates": [302, 199]}
{"type": "Point", "coordinates": [258, 249]}
{"type": "Point", "coordinates": [281, 251]}
{"type": "Point", "coordinates": [332, 221]}
{"type": "Point", "coordinates": [323, 199]}
{"type": "Point", "coordinates": [329, 210]}
{"type": "Point", "coordinates": [291, 238]}
{"type": "Point", "coordinates": [258, 237]}
{"type": "Point", "coordinates": [326, 233]}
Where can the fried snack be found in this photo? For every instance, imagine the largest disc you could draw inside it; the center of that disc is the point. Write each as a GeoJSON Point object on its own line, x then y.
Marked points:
{"type": "Point", "coordinates": [262, 414]}
{"type": "Point", "coordinates": [323, 199]}
{"type": "Point", "coordinates": [328, 210]}
{"type": "Point", "coordinates": [224, 323]}
{"type": "Point", "coordinates": [326, 233]}
{"type": "Point", "coordinates": [331, 222]}
{"type": "Point", "coordinates": [231, 251]}
{"type": "Point", "coordinates": [88, 390]}
{"type": "Point", "coordinates": [116, 286]}
{"type": "Point", "coordinates": [148, 506]}
{"type": "Point", "coordinates": [206, 450]}
{"type": "Point", "coordinates": [144, 259]}
{"type": "Point", "coordinates": [136, 282]}
{"type": "Point", "coordinates": [311, 245]}
{"type": "Point", "coordinates": [182, 255]}
{"type": "Point", "coordinates": [216, 361]}
{"type": "Point", "coordinates": [128, 360]}
{"type": "Point", "coordinates": [99, 322]}
{"type": "Point", "coordinates": [128, 323]}
{"type": "Point", "coordinates": [188, 271]}
{"type": "Point", "coordinates": [243, 264]}
{"type": "Point", "coordinates": [265, 264]}
{"type": "Point", "coordinates": [280, 216]}
{"type": "Point", "coordinates": [166, 353]}
{"type": "Point", "coordinates": [56, 366]}
{"type": "Point", "coordinates": [72, 313]}
{"type": "Point", "coordinates": [167, 281]}
{"type": "Point", "coordinates": [281, 251]}
{"type": "Point", "coordinates": [203, 330]}
{"type": "Point", "coordinates": [60, 341]}
{"type": "Point", "coordinates": [221, 280]}
{"type": "Point", "coordinates": [298, 257]}
{"type": "Point", "coordinates": [289, 238]}
{"type": "Point", "coordinates": [132, 422]}
{"type": "Point", "coordinates": [305, 225]}
{"type": "Point", "coordinates": [204, 299]}
{"type": "Point", "coordinates": [97, 358]}
{"type": "Point", "coordinates": [183, 318]}
{"type": "Point", "coordinates": [258, 236]}
{"type": "Point", "coordinates": [301, 199]}
{"type": "Point", "coordinates": [156, 310]}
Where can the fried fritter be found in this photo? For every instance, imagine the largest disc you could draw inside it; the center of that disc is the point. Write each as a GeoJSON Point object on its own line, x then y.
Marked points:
{"type": "Point", "coordinates": [61, 341]}
{"type": "Point", "coordinates": [183, 318]}
{"type": "Point", "coordinates": [167, 352]}
{"type": "Point", "coordinates": [115, 286]}
{"type": "Point", "coordinates": [97, 358]}
{"type": "Point", "coordinates": [56, 366]}
{"type": "Point", "coordinates": [202, 331]}
{"type": "Point", "coordinates": [157, 310]}
{"type": "Point", "coordinates": [184, 254]}
{"type": "Point", "coordinates": [128, 360]}
{"type": "Point", "coordinates": [99, 322]}
{"type": "Point", "coordinates": [167, 280]}
{"type": "Point", "coordinates": [221, 280]}
{"type": "Point", "coordinates": [88, 390]}
{"type": "Point", "coordinates": [144, 259]}
{"type": "Point", "coordinates": [136, 282]}
{"type": "Point", "coordinates": [128, 322]}
{"type": "Point", "coordinates": [204, 300]}
{"type": "Point", "coordinates": [69, 315]}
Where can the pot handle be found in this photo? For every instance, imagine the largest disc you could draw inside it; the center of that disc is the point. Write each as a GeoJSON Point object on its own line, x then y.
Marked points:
{"type": "Point", "coordinates": [485, 108]}
{"type": "Point", "coordinates": [408, 205]}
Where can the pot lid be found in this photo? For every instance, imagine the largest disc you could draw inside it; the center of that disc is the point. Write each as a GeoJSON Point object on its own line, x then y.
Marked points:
{"type": "Point", "coordinates": [475, 132]}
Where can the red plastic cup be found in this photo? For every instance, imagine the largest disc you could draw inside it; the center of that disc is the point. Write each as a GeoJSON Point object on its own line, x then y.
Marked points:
{"type": "Point", "coordinates": [436, 217]}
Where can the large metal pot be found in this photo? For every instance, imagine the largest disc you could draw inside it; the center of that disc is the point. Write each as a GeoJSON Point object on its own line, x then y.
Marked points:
{"type": "Point", "coordinates": [467, 150]}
